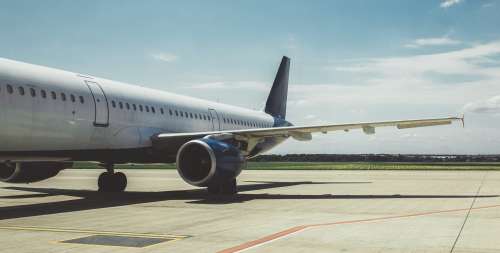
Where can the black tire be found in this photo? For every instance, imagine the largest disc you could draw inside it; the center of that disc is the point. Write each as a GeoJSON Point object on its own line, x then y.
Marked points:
{"type": "Point", "coordinates": [229, 188]}
{"type": "Point", "coordinates": [108, 182]}
{"type": "Point", "coordinates": [213, 189]}
{"type": "Point", "coordinates": [104, 182]}
{"type": "Point", "coordinates": [120, 181]}
{"type": "Point", "coordinates": [225, 188]}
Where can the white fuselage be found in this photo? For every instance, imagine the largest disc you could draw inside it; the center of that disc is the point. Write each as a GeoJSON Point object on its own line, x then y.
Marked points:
{"type": "Point", "coordinates": [48, 110]}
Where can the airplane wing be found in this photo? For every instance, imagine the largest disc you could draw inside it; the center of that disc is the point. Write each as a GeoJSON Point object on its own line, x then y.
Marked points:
{"type": "Point", "coordinates": [301, 133]}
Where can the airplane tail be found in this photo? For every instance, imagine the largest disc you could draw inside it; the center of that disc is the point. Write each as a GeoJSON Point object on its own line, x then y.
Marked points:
{"type": "Point", "coordinates": [276, 102]}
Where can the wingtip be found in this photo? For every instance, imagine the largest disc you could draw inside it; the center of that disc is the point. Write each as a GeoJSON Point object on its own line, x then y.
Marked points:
{"type": "Point", "coordinates": [462, 119]}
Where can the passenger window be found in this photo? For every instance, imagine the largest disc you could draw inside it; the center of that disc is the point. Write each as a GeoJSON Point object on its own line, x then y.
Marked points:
{"type": "Point", "coordinates": [21, 90]}
{"type": "Point", "coordinates": [53, 94]}
{"type": "Point", "coordinates": [153, 109]}
{"type": "Point", "coordinates": [140, 108]}
{"type": "Point", "coordinates": [161, 110]}
{"type": "Point", "coordinates": [32, 92]}
{"type": "Point", "coordinates": [43, 93]}
{"type": "Point", "coordinates": [120, 104]}
{"type": "Point", "coordinates": [63, 96]}
{"type": "Point", "coordinates": [170, 111]}
{"type": "Point", "coordinates": [113, 104]}
{"type": "Point", "coordinates": [127, 105]}
{"type": "Point", "coordinates": [176, 113]}
{"type": "Point", "coordinates": [9, 89]}
{"type": "Point", "coordinates": [72, 97]}
{"type": "Point", "coordinates": [135, 107]}
{"type": "Point", "coordinates": [182, 114]}
{"type": "Point", "coordinates": [147, 108]}
{"type": "Point", "coordinates": [81, 100]}
{"type": "Point", "coordinates": [191, 115]}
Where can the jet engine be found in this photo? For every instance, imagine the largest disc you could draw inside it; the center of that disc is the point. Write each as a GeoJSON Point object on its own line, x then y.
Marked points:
{"type": "Point", "coordinates": [207, 161]}
{"type": "Point", "coordinates": [29, 172]}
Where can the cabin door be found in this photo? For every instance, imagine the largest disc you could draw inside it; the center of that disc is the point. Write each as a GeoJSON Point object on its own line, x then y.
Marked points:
{"type": "Point", "coordinates": [101, 118]}
{"type": "Point", "coordinates": [214, 118]}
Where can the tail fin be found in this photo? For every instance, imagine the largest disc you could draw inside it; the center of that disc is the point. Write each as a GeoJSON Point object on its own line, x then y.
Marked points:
{"type": "Point", "coordinates": [276, 102]}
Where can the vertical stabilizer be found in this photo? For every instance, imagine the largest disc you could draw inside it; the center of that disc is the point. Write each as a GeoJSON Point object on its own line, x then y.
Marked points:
{"type": "Point", "coordinates": [276, 102]}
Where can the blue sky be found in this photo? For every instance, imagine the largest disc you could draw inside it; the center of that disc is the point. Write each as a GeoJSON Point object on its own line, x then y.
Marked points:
{"type": "Point", "coordinates": [351, 60]}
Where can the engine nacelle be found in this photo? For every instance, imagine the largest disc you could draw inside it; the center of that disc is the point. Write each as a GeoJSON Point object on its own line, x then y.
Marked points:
{"type": "Point", "coordinates": [29, 172]}
{"type": "Point", "coordinates": [207, 161]}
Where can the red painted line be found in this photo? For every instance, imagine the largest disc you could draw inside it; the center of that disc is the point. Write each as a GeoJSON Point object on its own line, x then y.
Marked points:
{"type": "Point", "coordinates": [264, 239]}
{"type": "Point", "coordinates": [296, 229]}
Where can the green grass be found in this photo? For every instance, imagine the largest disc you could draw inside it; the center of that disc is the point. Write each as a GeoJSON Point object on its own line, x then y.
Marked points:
{"type": "Point", "coordinates": [323, 166]}
{"type": "Point", "coordinates": [370, 166]}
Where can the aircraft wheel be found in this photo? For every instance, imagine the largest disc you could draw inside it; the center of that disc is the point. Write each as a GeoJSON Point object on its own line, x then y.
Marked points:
{"type": "Point", "coordinates": [120, 181]}
{"type": "Point", "coordinates": [116, 182]}
{"type": "Point", "coordinates": [229, 188]}
{"type": "Point", "coordinates": [213, 189]}
{"type": "Point", "coordinates": [225, 188]}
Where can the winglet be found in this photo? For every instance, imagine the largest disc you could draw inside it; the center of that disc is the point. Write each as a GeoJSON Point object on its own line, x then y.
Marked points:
{"type": "Point", "coordinates": [463, 120]}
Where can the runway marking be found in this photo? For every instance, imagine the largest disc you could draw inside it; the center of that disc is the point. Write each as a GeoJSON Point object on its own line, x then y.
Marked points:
{"type": "Point", "coordinates": [94, 232]}
{"type": "Point", "coordinates": [468, 213]}
{"type": "Point", "coordinates": [298, 229]}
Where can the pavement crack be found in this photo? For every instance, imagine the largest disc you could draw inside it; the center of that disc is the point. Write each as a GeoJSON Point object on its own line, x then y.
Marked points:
{"type": "Point", "coordinates": [468, 213]}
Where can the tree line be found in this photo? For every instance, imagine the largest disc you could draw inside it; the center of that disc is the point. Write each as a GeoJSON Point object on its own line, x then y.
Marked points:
{"type": "Point", "coordinates": [375, 158]}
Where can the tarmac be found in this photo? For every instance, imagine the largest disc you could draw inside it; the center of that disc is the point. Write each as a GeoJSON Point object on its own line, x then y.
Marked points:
{"type": "Point", "coordinates": [274, 211]}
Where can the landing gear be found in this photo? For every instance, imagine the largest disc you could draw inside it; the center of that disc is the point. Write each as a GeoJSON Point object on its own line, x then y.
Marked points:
{"type": "Point", "coordinates": [225, 188]}
{"type": "Point", "coordinates": [110, 181]}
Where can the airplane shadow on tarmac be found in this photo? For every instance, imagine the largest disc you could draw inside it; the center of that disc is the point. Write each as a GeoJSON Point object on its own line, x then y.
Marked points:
{"type": "Point", "coordinates": [88, 199]}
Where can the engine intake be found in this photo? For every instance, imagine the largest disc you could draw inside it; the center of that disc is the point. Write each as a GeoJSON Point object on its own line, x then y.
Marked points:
{"type": "Point", "coordinates": [29, 172]}
{"type": "Point", "coordinates": [207, 161]}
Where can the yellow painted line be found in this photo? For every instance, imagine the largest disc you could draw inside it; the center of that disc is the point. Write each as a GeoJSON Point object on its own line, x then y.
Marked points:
{"type": "Point", "coordinates": [94, 232]}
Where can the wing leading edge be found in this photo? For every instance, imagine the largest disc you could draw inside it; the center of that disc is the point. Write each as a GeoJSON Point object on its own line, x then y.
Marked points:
{"type": "Point", "coordinates": [303, 133]}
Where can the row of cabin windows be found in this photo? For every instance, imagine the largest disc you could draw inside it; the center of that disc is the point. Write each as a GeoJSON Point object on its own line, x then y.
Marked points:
{"type": "Point", "coordinates": [152, 109]}
{"type": "Point", "coordinates": [135, 107]}
{"type": "Point", "coordinates": [178, 113]}
{"type": "Point", "coordinates": [244, 122]}
{"type": "Point", "coordinates": [44, 94]}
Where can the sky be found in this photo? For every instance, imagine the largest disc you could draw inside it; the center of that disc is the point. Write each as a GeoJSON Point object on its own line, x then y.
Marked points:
{"type": "Point", "coordinates": [352, 61]}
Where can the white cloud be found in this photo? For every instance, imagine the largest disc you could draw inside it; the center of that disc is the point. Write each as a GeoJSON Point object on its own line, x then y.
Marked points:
{"type": "Point", "coordinates": [291, 42]}
{"type": "Point", "coordinates": [467, 61]}
{"type": "Point", "coordinates": [491, 105]}
{"type": "Point", "coordinates": [165, 57]}
{"type": "Point", "coordinates": [488, 5]}
{"type": "Point", "coordinates": [384, 87]}
{"type": "Point", "coordinates": [440, 41]}
{"type": "Point", "coordinates": [449, 3]}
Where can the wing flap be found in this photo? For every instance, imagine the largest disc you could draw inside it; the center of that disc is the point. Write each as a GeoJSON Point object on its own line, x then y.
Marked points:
{"type": "Point", "coordinates": [422, 124]}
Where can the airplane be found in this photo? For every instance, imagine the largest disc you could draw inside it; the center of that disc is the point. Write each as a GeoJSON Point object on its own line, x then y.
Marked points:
{"type": "Point", "coordinates": [50, 118]}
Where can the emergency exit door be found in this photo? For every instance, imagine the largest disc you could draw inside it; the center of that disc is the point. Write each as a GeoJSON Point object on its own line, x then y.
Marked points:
{"type": "Point", "coordinates": [101, 115]}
